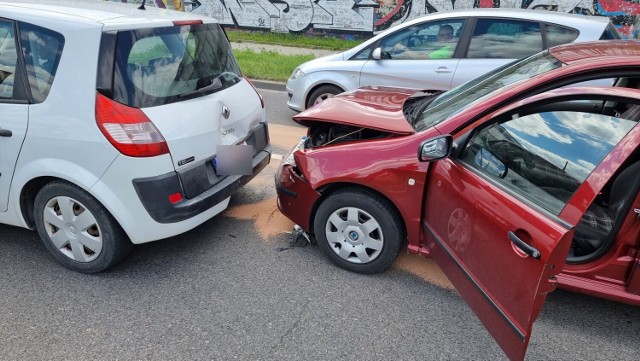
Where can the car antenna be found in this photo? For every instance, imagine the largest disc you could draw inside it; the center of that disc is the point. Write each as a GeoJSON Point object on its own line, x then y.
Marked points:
{"type": "Point", "coordinates": [141, 7]}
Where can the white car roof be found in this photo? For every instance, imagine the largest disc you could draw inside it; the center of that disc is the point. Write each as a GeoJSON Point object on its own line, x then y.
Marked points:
{"type": "Point", "coordinates": [580, 22]}
{"type": "Point", "coordinates": [589, 26]}
{"type": "Point", "coordinates": [540, 15]}
{"type": "Point", "coordinates": [111, 15]}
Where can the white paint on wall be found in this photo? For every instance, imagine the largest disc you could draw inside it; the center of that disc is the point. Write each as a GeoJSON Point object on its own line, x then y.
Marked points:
{"type": "Point", "coordinates": [292, 15]}
{"type": "Point", "coordinates": [358, 16]}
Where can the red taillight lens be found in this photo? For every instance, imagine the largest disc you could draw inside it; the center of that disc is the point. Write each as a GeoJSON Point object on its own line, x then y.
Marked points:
{"type": "Point", "coordinates": [129, 129]}
{"type": "Point", "coordinates": [187, 22]}
{"type": "Point", "coordinates": [254, 88]}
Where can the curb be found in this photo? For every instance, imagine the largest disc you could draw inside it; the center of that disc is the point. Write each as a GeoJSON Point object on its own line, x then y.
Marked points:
{"type": "Point", "coordinates": [286, 50]}
{"type": "Point", "coordinates": [269, 85]}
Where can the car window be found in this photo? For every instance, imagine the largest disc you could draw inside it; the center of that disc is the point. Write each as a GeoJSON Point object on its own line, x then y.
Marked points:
{"type": "Point", "coordinates": [504, 39]}
{"type": "Point", "coordinates": [544, 157]}
{"type": "Point", "coordinates": [164, 65]}
{"type": "Point", "coordinates": [432, 40]}
{"type": "Point", "coordinates": [42, 50]}
{"type": "Point", "coordinates": [364, 54]}
{"type": "Point", "coordinates": [611, 33]}
{"type": "Point", "coordinates": [8, 59]}
{"type": "Point", "coordinates": [557, 35]}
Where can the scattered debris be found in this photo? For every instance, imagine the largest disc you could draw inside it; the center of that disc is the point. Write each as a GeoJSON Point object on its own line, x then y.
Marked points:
{"type": "Point", "coordinates": [299, 238]}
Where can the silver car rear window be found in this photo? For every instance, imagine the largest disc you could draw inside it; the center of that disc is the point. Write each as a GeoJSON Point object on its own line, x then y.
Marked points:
{"type": "Point", "coordinates": [165, 65]}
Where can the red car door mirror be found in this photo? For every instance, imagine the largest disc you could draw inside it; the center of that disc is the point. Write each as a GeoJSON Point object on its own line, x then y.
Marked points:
{"type": "Point", "coordinates": [435, 149]}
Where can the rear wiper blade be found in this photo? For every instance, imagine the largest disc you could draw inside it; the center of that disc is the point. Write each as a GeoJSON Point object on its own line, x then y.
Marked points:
{"type": "Point", "coordinates": [215, 84]}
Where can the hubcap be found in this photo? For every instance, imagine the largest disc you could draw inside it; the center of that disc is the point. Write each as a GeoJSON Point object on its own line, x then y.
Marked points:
{"type": "Point", "coordinates": [323, 97]}
{"type": "Point", "coordinates": [354, 235]}
{"type": "Point", "coordinates": [73, 229]}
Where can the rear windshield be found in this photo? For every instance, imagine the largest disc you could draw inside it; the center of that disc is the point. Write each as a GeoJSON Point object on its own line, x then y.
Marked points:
{"type": "Point", "coordinates": [165, 65]}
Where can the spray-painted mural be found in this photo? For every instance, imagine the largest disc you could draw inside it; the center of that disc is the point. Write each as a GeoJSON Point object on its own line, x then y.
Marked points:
{"type": "Point", "coordinates": [365, 17]}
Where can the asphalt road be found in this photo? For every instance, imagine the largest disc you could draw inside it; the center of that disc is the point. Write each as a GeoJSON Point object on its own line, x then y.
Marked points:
{"type": "Point", "coordinates": [235, 288]}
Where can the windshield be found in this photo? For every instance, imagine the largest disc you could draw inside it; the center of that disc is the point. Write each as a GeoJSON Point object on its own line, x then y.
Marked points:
{"type": "Point", "coordinates": [165, 65]}
{"type": "Point", "coordinates": [458, 98]}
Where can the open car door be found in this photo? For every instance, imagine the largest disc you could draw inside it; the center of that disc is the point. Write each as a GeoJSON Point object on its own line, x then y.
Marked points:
{"type": "Point", "coordinates": [499, 218]}
{"type": "Point", "coordinates": [480, 238]}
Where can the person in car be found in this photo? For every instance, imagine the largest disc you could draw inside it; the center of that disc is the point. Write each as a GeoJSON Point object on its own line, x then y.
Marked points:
{"type": "Point", "coordinates": [445, 42]}
{"type": "Point", "coordinates": [445, 38]}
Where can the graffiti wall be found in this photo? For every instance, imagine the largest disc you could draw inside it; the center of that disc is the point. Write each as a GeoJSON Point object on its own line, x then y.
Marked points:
{"type": "Point", "coordinates": [365, 17]}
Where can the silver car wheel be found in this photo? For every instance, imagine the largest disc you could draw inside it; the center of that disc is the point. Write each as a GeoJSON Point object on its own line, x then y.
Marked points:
{"type": "Point", "coordinates": [73, 229]}
{"type": "Point", "coordinates": [323, 97]}
{"type": "Point", "coordinates": [354, 235]}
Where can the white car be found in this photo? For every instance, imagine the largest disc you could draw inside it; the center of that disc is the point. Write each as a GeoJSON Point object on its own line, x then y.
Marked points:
{"type": "Point", "coordinates": [441, 50]}
{"type": "Point", "coordinates": [114, 121]}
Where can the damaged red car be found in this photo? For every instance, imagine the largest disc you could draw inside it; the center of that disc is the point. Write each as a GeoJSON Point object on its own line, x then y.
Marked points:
{"type": "Point", "coordinates": [521, 181]}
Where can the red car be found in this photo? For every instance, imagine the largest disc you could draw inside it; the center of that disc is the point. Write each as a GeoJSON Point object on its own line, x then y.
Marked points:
{"type": "Point", "coordinates": [515, 183]}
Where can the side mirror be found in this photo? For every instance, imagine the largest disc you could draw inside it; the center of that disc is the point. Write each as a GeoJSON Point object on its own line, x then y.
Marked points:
{"type": "Point", "coordinates": [435, 149]}
{"type": "Point", "coordinates": [377, 53]}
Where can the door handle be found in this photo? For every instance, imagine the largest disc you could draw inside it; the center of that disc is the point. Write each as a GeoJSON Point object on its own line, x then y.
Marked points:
{"type": "Point", "coordinates": [5, 133]}
{"type": "Point", "coordinates": [531, 251]}
{"type": "Point", "coordinates": [442, 70]}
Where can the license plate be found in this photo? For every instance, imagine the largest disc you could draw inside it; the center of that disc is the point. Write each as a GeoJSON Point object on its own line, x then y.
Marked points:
{"type": "Point", "coordinates": [233, 160]}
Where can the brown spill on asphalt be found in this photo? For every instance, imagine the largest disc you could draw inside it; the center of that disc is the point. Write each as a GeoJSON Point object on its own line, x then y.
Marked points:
{"type": "Point", "coordinates": [270, 222]}
{"type": "Point", "coordinates": [425, 268]}
{"type": "Point", "coordinates": [285, 136]}
{"type": "Point", "coordinates": [267, 219]}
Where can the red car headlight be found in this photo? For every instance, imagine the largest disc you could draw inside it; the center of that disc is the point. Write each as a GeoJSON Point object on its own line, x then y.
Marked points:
{"type": "Point", "coordinates": [290, 159]}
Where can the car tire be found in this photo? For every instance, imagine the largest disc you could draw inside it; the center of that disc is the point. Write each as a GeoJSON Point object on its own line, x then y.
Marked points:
{"type": "Point", "coordinates": [359, 230]}
{"type": "Point", "coordinates": [78, 231]}
{"type": "Point", "coordinates": [321, 94]}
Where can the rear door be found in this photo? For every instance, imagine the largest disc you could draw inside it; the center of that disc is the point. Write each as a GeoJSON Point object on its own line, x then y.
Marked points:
{"type": "Point", "coordinates": [494, 42]}
{"type": "Point", "coordinates": [14, 110]}
{"type": "Point", "coordinates": [499, 219]}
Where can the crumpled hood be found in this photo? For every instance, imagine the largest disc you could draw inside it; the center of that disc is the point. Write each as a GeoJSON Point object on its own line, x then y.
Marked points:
{"type": "Point", "coordinates": [378, 108]}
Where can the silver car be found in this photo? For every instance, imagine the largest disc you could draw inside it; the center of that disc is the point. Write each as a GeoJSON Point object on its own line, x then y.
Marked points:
{"type": "Point", "coordinates": [441, 50]}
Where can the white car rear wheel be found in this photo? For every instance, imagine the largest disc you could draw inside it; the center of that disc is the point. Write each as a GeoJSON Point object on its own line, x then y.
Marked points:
{"type": "Point", "coordinates": [77, 229]}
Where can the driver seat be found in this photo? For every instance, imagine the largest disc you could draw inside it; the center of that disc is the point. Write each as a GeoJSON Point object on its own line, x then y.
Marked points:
{"type": "Point", "coordinates": [600, 223]}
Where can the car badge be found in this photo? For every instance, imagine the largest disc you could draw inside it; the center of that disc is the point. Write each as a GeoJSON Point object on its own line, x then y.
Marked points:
{"type": "Point", "coordinates": [225, 112]}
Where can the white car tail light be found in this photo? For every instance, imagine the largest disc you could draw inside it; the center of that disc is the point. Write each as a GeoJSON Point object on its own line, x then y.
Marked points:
{"type": "Point", "coordinates": [128, 129]}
